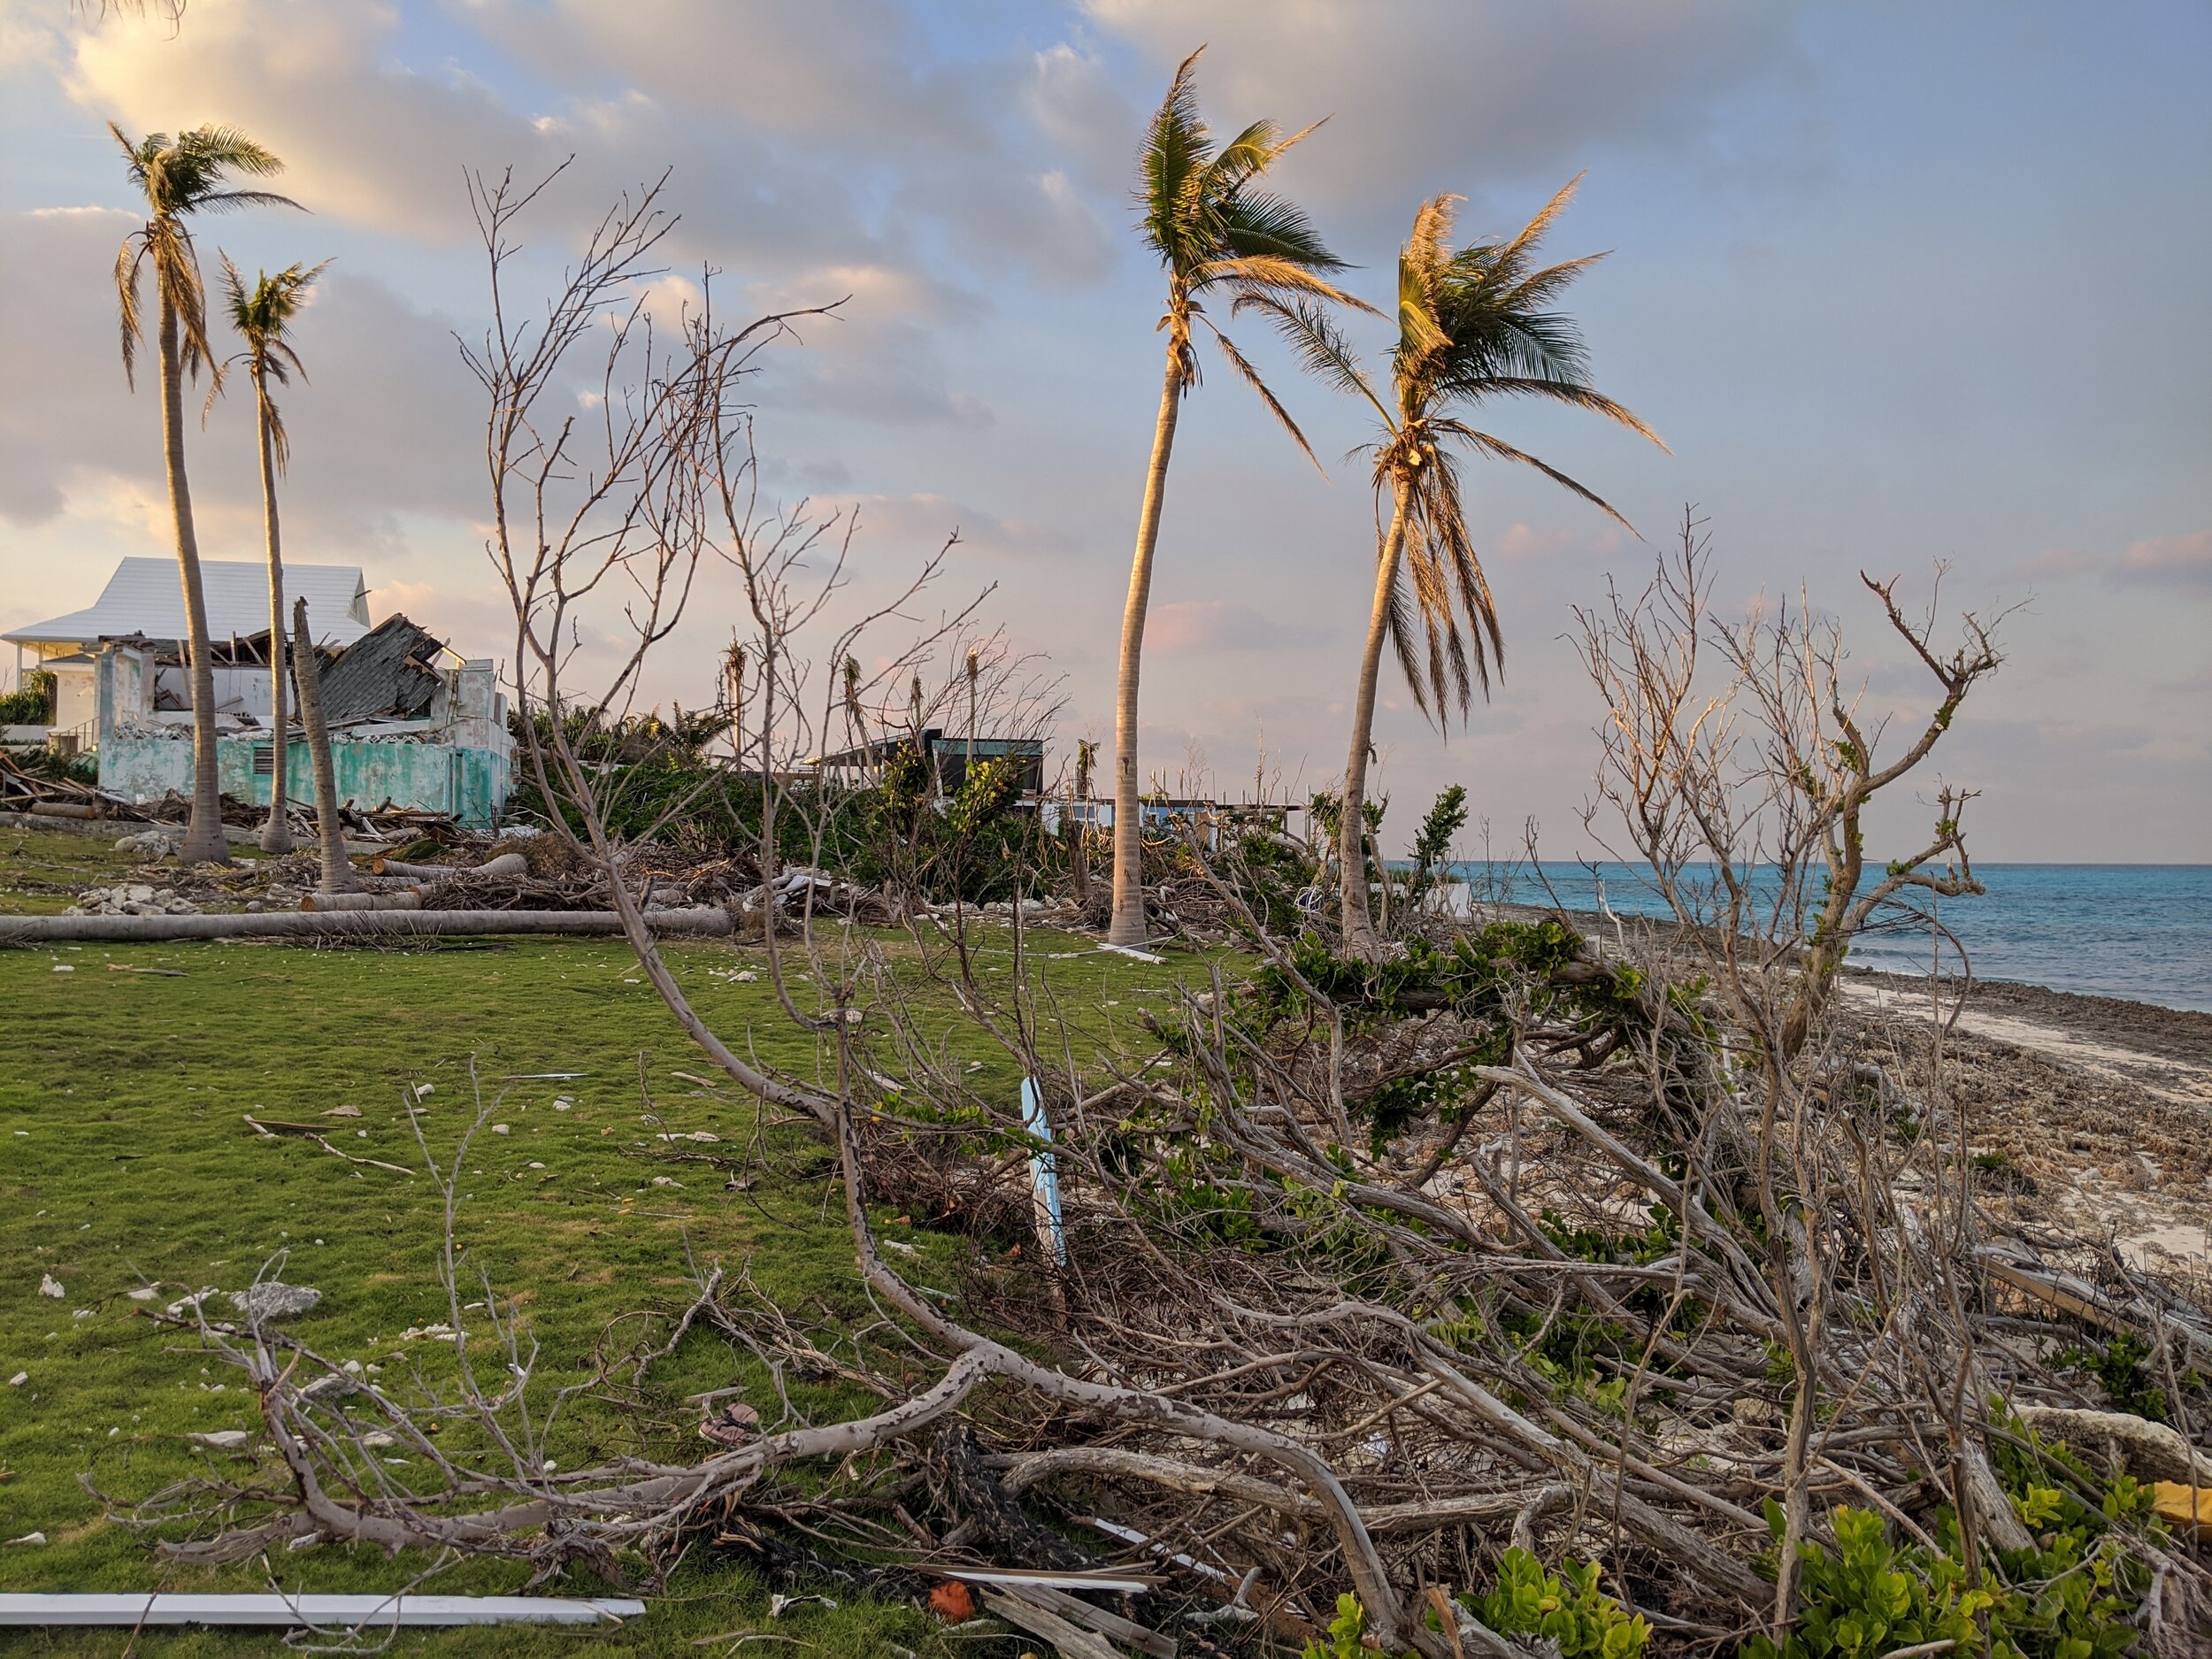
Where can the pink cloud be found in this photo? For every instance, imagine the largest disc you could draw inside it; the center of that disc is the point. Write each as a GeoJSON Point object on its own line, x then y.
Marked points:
{"type": "Point", "coordinates": [2184, 560]}
{"type": "Point", "coordinates": [1199, 624]}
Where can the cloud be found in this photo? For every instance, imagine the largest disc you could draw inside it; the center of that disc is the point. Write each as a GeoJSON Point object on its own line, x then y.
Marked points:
{"type": "Point", "coordinates": [1216, 625]}
{"type": "Point", "coordinates": [1445, 95]}
{"type": "Point", "coordinates": [927, 520]}
{"type": "Point", "coordinates": [364, 138]}
{"type": "Point", "coordinates": [2178, 561]}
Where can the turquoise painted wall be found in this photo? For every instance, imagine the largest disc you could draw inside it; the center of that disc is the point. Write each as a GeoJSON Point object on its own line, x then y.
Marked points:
{"type": "Point", "coordinates": [469, 783]}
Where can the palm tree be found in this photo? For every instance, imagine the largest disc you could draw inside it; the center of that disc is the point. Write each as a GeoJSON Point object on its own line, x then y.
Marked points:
{"type": "Point", "coordinates": [262, 315]}
{"type": "Point", "coordinates": [1214, 231]}
{"type": "Point", "coordinates": [1472, 325]}
{"type": "Point", "coordinates": [180, 177]}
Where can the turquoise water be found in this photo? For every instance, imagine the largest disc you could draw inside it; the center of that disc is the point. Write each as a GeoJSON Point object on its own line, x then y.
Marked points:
{"type": "Point", "coordinates": [2141, 932]}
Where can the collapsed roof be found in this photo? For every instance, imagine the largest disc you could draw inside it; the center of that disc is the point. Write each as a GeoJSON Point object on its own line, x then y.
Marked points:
{"type": "Point", "coordinates": [391, 670]}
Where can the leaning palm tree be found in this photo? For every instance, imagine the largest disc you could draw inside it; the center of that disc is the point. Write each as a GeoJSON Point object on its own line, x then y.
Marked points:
{"type": "Point", "coordinates": [180, 177]}
{"type": "Point", "coordinates": [1215, 233]}
{"type": "Point", "coordinates": [263, 315]}
{"type": "Point", "coordinates": [1472, 326]}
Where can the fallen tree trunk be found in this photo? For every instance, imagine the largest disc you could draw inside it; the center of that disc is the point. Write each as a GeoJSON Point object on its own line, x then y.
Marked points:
{"type": "Point", "coordinates": [319, 902]}
{"type": "Point", "coordinates": [703, 922]}
{"type": "Point", "coordinates": [421, 872]}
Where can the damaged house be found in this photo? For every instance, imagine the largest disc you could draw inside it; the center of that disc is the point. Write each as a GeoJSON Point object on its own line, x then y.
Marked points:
{"type": "Point", "coordinates": [412, 723]}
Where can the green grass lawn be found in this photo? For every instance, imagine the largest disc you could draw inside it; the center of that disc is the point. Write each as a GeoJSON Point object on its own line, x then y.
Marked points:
{"type": "Point", "coordinates": [42, 871]}
{"type": "Point", "coordinates": [128, 1162]}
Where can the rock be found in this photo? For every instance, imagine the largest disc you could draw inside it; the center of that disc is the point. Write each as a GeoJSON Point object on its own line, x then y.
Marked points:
{"type": "Point", "coordinates": [18, 1380]}
{"type": "Point", "coordinates": [221, 1439]}
{"type": "Point", "coordinates": [343, 1111]}
{"type": "Point", "coordinates": [49, 1286]}
{"type": "Point", "coordinates": [29, 1538]}
{"type": "Point", "coordinates": [269, 1300]}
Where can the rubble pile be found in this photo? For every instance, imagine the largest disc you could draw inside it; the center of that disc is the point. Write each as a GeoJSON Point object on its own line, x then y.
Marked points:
{"type": "Point", "coordinates": [134, 898]}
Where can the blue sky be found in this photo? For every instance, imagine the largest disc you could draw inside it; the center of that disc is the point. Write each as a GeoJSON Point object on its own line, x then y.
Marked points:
{"type": "Point", "coordinates": [1898, 284]}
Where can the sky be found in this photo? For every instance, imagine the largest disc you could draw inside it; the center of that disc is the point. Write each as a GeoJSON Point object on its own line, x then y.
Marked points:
{"type": "Point", "coordinates": [1903, 289]}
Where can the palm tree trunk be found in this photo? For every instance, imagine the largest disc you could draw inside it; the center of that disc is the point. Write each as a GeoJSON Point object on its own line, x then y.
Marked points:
{"type": "Point", "coordinates": [1127, 926]}
{"type": "Point", "coordinates": [338, 876]}
{"type": "Point", "coordinates": [1359, 929]}
{"type": "Point", "coordinates": [204, 842]}
{"type": "Point", "coordinates": [276, 834]}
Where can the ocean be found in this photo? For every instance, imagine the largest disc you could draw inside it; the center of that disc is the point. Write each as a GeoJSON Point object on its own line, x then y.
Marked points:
{"type": "Point", "coordinates": [2139, 932]}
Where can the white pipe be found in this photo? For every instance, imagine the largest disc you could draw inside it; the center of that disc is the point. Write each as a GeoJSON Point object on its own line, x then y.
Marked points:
{"type": "Point", "coordinates": [704, 921]}
{"type": "Point", "coordinates": [324, 1612]}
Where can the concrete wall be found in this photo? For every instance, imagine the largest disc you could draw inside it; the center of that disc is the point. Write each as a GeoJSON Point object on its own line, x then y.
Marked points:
{"type": "Point", "coordinates": [459, 763]}
{"type": "Point", "coordinates": [469, 783]}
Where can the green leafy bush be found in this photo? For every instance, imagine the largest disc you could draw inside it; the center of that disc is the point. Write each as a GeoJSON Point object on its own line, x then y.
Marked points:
{"type": "Point", "coordinates": [2068, 1597]}
{"type": "Point", "coordinates": [1566, 1609]}
{"type": "Point", "coordinates": [31, 702]}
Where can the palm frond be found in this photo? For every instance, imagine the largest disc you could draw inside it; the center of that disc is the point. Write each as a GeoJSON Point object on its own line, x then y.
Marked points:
{"type": "Point", "coordinates": [1243, 366]}
{"type": "Point", "coordinates": [1575, 394]}
{"type": "Point", "coordinates": [128, 259]}
{"type": "Point", "coordinates": [1427, 248]}
{"type": "Point", "coordinates": [1245, 157]}
{"type": "Point", "coordinates": [1323, 351]}
{"type": "Point", "coordinates": [1174, 154]}
{"type": "Point", "coordinates": [1498, 449]}
{"type": "Point", "coordinates": [1271, 272]}
{"type": "Point", "coordinates": [1259, 223]}
{"type": "Point", "coordinates": [227, 201]}
{"type": "Point", "coordinates": [218, 146]}
{"type": "Point", "coordinates": [1533, 233]}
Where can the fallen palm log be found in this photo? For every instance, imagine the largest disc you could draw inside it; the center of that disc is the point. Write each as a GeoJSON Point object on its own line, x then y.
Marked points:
{"type": "Point", "coordinates": [65, 808]}
{"type": "Point", "coordinates": [323, 901]}
{"type": "Point", "coordinates": [703, 922]}
{"type": "Point", "coordinates": [422, 873]}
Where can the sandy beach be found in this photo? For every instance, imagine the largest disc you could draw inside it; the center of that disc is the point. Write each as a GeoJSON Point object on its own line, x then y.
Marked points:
{"type": "Point", "coordinates": [2094, 1115]}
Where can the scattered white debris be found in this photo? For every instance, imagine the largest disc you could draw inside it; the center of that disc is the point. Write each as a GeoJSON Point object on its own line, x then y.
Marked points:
{"type": "Point", "coordinates": [29, 1538]}
{"type": "Point", "coordinates": [269, 1300]}
{"type": "Point", "coordinates": [778, 1605]}
{"type": "Point", "coordinates": [221, 1439]}
{"type": "Point", "coordinates": [664, 1180]}
{"type": "Point", "coordinates": [144, 1292]}
{"type": "Point", "coordinates": [18, 1380]}
{"type": "Point", "coordinates": [424, 1090]}
{"type": "Point", "coordinates": [501, 1129]}
{"type": "Point", "coordinates": [49, 1286]}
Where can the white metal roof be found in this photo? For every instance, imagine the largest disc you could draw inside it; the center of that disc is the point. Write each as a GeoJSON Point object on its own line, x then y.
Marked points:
{"type": "Point", "coordinates": [144, 597]}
